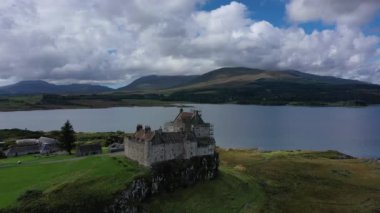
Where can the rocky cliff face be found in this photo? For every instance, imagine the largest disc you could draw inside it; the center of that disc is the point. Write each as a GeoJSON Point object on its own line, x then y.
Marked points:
{"type": "Point", "coordinates": [165, 177]}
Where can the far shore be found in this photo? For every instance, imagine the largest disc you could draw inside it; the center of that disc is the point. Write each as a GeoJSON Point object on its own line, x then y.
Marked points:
{"type": "Point", "coordinates": [99, 104]}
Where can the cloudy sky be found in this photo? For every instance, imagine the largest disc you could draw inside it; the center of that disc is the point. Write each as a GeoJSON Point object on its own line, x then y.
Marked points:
{"type": "Point", "coordinates": [112, 42]}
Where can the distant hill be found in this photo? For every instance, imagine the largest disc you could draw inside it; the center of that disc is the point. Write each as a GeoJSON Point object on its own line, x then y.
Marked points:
{"type": "Point", "coordinates": [254, 86]}
{"type": "Point", "coordinates": [226, 85]}
{"type": "Point", "coordinates": [241, 76]}
{"type": "Point", "coordinates": [42, 87]}
{"type": "Point", "coordinates": [157, 82]}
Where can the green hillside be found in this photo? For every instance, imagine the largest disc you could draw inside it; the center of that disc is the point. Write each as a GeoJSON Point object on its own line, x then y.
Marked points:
{"type": "Point", "coordinates": [237, 85]}
{"type": "Point", "coordinates": [243, 85]}
{"type": "Point", "coordinates": [249, 181]}
{"type": "Point", "coordinates": [281, 181]}
{"type": "Point", "coordinates": [253, 86]}
{"type": "Point", "coordinates": [155, 82]}
{"type": "Point", "coordinates": [66, 181]}
{"type": "Point", "coordinates": [42, 87]}
{"type": "Point", "coordinates": [239, 76]}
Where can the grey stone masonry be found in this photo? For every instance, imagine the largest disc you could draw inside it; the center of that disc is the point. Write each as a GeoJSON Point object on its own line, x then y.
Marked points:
{"type": "Point", "coordinates": [186, 137]}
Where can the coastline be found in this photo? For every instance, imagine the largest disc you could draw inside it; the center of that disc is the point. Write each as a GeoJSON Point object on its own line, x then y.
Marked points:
{"type": "Point", "coordinates": [155, 103]}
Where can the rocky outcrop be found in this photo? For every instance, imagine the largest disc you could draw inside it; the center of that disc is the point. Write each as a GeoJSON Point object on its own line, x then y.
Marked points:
{"type": "Point", "coordinates": [165, 177]}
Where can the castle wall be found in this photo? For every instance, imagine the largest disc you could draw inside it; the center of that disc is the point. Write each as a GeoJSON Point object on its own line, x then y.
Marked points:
{"type": "Point", "coordinates": [156, 153]}
{"type": "Point", "coordinates": [174, 127]}
{"type": "Point", "coordinates": [136, 151]}
{"type": "Point", "coordinates": [165, 151]}
{"type": "Point", "coordinates": [190, 149]}
{"type": "Point", "coordinates": [169, 127]}
{"type": "Point", "coordinates": [206, 150]}
{"type": "Point", "coordinates": [146, 154]}
{"type": "Point", "coordinates": [202, 131]}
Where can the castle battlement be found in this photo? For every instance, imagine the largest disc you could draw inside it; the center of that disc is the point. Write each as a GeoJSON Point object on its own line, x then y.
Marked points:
{"type": "Point", "coordinates": [185, 137]}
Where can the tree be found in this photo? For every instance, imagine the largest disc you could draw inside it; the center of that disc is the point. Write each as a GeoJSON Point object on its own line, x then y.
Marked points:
{"type": "Point", "coordinates": [67, 137]}
{"type": "Point", "coordinates": [2, 155]}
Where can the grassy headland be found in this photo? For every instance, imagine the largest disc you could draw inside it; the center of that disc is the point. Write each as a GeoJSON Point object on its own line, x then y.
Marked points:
{"type": "Point", "coordinates": [281, 181]}
{"type": "Point", "coordinates": [249, 181]}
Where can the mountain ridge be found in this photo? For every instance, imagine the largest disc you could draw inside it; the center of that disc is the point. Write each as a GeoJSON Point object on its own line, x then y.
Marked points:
{"type": "Point", "coordinates": [154, 82]}
{"type": "Point", "coordinates": [229, 76]}
{"type": "Point", "coordinates": [239, 85]}
{"type": "Point", "coordinates": [43, 87]}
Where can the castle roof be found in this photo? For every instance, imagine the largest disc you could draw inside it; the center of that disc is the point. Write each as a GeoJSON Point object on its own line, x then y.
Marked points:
{"type": "Point", "coordinates": [189, 117]}
{"type": "Point", "coordinates": [143, 135]}
{"type": "Point", "coordinates": [161, 137]}
{"type": "Point", "coordinates": [168, 137]}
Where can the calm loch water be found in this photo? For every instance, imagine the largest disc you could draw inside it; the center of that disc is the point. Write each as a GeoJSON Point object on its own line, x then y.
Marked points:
{"type": "Point", "coordinates": [354, 131]}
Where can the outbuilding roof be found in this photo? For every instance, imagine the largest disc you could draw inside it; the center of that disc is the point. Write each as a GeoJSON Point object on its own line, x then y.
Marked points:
{"type": "Point", "coordinates": [47, 140]}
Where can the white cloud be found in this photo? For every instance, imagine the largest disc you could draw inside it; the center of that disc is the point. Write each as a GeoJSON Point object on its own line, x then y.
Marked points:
{"type": "Point", "coordinates": [347, 12]}
{"type": "Point", "coordinates": [114, 41]}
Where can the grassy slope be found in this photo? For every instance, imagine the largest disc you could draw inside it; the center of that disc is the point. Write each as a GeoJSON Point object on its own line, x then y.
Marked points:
{"type": "Point", "coordinates": [19, 102]}
{"type": "Point", "coordinates": [98, 175]}
{"type": "Point", "coordinates": [249, 181]}
{"type": "Point", "coordinates": [35, 102]}
{"type": "Point", "coordinates": [252, 181]}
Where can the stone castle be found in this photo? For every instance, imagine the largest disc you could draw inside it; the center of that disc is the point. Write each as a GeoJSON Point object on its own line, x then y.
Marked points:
{"type": "Point", "coordinates": [185, 137]}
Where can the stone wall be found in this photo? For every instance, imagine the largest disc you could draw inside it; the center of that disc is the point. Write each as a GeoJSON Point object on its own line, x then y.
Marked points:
{"type": "Point", "coordinates": [202, 130]}
{"type": "Point", "coordinates": [165, 151]}
{"type": "Point", "coordinates": [190, 149]}
{"type": "Point", "coordinates": [165, 177]}
{"type": "Point", "coordinates": [136, 151]}
{"type": "Point", "coordinates": [205, 150]}
{"type": "Point", "coordinates": [147, 154]}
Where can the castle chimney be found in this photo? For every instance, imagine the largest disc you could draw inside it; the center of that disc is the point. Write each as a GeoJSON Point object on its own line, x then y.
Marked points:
{"type": "Point", "coordinates": [147, 129]}
{"type": "Point", "coordinates": [139, 127]}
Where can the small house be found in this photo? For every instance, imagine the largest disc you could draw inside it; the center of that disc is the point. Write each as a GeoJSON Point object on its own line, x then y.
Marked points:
{"type": "Point", "coordinates": [47, 148]}
{"type": "Point", "coordinates": [88, 149]}
{"type": "Point", "coordinates": [19, 150]}
{"type": "Point", "coordinates": [48, 145]}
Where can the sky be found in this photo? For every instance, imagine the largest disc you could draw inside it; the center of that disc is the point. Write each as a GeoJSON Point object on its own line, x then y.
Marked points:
{"type": "Point", "coordinates": [114, 42]}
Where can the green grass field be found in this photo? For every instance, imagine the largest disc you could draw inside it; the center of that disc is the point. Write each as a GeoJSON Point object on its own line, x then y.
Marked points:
{"type": "Point", "coordinates": [99, 175]}
{"type": "Point", "coordinates": [282, 181]}
{"type": "Point", "coordinates": [249, 181]}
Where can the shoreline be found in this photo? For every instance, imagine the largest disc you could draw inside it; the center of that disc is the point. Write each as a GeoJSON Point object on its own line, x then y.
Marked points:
{"type": "Point", "coordinates": [173, 104]}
